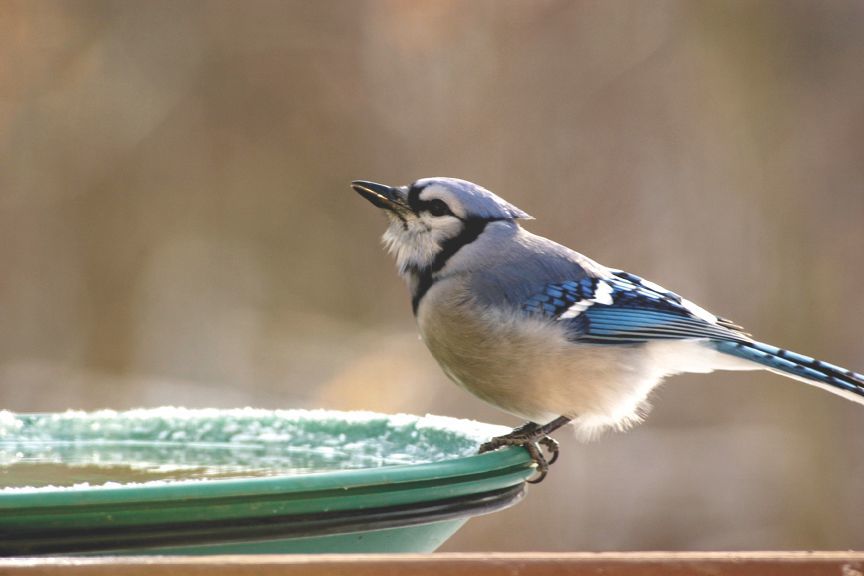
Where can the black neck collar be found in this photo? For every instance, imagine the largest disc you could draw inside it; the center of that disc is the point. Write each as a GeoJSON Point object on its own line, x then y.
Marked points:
{"type": "Point", "coordinates": [425, 277]}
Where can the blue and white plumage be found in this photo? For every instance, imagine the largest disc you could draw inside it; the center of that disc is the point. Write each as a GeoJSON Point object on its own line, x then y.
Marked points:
{"type": "Point", "coordinates": [546, 333]}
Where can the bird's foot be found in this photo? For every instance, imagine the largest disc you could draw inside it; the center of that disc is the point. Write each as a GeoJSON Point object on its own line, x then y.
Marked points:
{"type": "Point", "coordinates": [532, 437]}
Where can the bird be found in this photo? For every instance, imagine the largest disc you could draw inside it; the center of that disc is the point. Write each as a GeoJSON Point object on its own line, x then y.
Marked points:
{"type": "Point", "coordinates": [547, 334]}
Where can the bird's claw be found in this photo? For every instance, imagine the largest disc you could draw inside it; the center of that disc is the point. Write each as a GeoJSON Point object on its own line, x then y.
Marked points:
{"type": "Point", "coordinates": [531, 443]}
{"type": "Point", "coordinates": [551, 446]}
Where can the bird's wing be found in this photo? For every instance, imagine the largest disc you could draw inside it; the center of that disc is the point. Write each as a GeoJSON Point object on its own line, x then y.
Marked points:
{"type": "Point", "coordinates": [622, 308]}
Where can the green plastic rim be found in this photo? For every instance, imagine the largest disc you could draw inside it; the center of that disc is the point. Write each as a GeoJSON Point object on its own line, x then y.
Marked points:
{"type": "Point", "coordinates": [106, 518]}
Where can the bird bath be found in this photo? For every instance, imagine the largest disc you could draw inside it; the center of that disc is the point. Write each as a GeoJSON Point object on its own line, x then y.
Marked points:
{"type": "Point", "coordinates": [184, 481]}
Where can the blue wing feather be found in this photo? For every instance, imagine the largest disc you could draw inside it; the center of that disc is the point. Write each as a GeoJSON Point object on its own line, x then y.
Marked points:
{"type": "Point", "coordinates": [624, 309]}
{"type": "Point", "coordinates": [634, 324]}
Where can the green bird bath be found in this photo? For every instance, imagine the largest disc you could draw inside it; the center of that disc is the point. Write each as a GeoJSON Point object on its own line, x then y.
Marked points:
{"type": "Point", "coordinates": [183, 481]}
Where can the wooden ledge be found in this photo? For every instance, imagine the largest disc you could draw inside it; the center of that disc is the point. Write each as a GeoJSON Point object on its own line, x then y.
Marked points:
{"type": "Point", "coordinates": [474, 564]}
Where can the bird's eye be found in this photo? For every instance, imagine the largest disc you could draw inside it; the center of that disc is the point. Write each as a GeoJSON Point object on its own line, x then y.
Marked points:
{"type": "Point", "coordinates": [439, 208]}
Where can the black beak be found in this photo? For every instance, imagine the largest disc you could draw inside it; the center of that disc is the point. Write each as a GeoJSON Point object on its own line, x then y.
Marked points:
{"type": "Point", "coordinates": [382, 196]}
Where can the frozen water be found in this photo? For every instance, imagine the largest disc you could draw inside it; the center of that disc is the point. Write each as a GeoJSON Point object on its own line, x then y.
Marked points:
{"type": "Point", "coordinates": [81, 449]}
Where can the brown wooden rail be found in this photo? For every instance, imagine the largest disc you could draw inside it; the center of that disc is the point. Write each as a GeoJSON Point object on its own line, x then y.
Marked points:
{"type": "Point", "coordinates": [475, 564]}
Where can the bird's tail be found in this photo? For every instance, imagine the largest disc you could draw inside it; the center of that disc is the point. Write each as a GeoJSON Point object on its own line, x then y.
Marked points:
{"type": "Point", "coordinates": [827, 376]}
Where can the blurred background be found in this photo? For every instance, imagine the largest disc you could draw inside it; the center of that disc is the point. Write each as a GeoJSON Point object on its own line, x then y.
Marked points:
{"type": "Point", "coordinates": [176, 225]}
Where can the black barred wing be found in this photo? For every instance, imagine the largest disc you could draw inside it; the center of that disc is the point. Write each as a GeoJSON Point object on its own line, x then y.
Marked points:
{"type": "Point", "coordinates": [625, 309]}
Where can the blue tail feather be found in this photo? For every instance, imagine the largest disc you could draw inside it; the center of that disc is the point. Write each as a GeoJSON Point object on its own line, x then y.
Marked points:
{"type": "Point", "coordinates": [834, 378]}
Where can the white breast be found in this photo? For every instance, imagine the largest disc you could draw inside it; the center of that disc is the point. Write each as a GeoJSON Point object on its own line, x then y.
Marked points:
{"type": "Point", "coordinates": [528, 368]}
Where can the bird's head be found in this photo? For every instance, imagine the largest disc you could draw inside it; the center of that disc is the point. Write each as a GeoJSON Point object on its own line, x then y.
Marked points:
{"type": "Point", "coordinates": [434, 217]}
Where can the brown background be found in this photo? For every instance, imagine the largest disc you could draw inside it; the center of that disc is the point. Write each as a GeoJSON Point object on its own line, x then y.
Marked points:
{"type": "Point", "coordinates": [176, 225]}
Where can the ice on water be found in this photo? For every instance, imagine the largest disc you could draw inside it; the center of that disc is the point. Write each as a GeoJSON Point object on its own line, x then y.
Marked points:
{"type": "Point", "coordinates": [107, 448]}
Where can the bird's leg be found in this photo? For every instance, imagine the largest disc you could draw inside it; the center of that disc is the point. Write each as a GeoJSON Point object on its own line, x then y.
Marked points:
{"type": "Point", "coordinates": [531, 436]}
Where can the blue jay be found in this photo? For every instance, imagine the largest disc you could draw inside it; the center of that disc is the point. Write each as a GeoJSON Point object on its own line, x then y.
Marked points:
{"type": "Point", "coordinates": [547, 334]}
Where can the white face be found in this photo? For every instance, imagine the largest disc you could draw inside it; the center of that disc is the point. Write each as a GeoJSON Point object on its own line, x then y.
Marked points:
{"type": "Point", "coordinates": [416, 237]}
